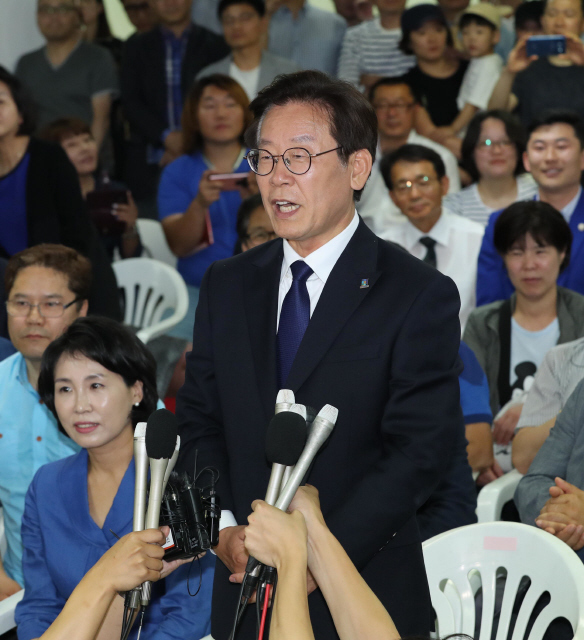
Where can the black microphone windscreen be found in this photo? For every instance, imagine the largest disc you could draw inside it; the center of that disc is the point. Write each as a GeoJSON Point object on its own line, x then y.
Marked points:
{"type": "Point", "coordinates": [285, 438]}
{"type": "Point", "coordinates": [161, 432]}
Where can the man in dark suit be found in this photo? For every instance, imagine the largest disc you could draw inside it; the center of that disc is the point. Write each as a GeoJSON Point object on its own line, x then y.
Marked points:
{"type": "Point", "coordinates": [340, 317]}
{"type": "Point", "coordinates": [158, 69]}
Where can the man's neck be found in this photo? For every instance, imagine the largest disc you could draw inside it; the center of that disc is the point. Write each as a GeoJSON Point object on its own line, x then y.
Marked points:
{"type": "Point", "coordinates": [90, 32]}
{"type": "Point", "coordinates": [309, 245]}
{"type": "Point", "coordinates": [33, 369]}
{"type": "Point", "coordinates": [559, 199]}
{"type": "Point", "coordinates": [428, 223]}
{"type": "Point", "coordinates": [248, 58]}
{"type": "Point", "coordinates": [390, 20]}
{"type": "Point", "coordinates": [178, 28]}
{"type": "Point", "coordinates": [391, 143]}
{"type": "Point", "coordinates": [294, 6]}
{"type": "Point", "coordinates": [59, 50]}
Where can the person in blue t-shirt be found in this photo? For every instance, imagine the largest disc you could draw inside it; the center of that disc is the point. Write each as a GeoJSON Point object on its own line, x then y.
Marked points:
{"type": "Point", "coordinates": [199, 214]}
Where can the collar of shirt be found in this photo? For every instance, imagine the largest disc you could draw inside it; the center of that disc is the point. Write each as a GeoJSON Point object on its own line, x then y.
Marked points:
{"type": "Point", "coordinates": [22, 376]}
{"type": "Point", "coordinates": [568, 210]}
{"type": "Point", "coordinates": [301, 14]}
{"type": "Point", "coordinates": [439, 232]}
{"type": "Point", "coordinates": [169, 36]}
{"type": "Point", "coordinates": [323, 259]}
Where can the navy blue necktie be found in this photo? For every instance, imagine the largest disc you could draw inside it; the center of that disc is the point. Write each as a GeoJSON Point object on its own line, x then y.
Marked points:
{"type": "Point", "coordinates": [294, 318]}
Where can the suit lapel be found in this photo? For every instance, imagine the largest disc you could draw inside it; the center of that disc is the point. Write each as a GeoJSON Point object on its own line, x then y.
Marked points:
{"type": "Point", "coordinates": [262, 281]}
{"type": "Point", "coordinates": [343, 292]}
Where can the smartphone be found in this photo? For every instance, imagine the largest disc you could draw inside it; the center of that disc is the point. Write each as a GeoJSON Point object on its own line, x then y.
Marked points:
{"type": "Point", "coordinates": [543, 46]}
{"type": "Point", "coordinates": [230, 181]}
{"type": "Point", "coordinates": [100, 205]}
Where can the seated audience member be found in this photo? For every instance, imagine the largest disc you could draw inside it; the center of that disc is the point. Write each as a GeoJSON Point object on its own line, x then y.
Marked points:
{"type": "Point", "coordinates": [528, 85]}
{"type": "Point", "coordinates": [158, 69]}
{"type": "Point", "coordinates": [141, 14]}
{"type": "Point", "coordinates": [133, 559]}
{"type": "Point", "coordinates": [47, 288]}
{"type": "Point", "coordinates": [557, 377]}
{"type": "Point", "coordinates": [215, 116]}
{"type": "Point", "coordinates": [492, 152]}
{"type": "Point", "coordinates": [438, 75]}
{"type": "Point", "coordinates": [555, 158]}
{"type": "Point", "coordinates": [528, 19]}
{"type": "Point", "coordinates": [395, 102]}
{"type": "Point", "coordinates": [510, 338]}
{"type": "Point", "coordinates": [96, 28]}
{"type": "Point", "coordinates": [371, 50]}
{"type": "Point", "coordinates": [416, 179]}
{"type": "Point", "coordinates": [551, 495]}
{"type": "Point", "coordinates": [297, 541]}
{"type": "Point", "coordinates": [309, 36]}
{"type": "Point", "coordinates": [40, 199]}
{"type": "Point", "coordinates": [68, 76]}
{"type": "Point", "coordinates": [244, 29]}
{"type": "Point", "coordinates": [75, 137]}
{"type": "Point", "coordinates": [254, 226]}
{"type": "Point", "coordinates": [99, 381]}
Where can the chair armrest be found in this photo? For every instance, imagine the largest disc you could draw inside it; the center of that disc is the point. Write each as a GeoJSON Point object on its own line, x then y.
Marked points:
{"type": "Point", "coordinates": [494, 495]}
{"type": "Point", "coordinates": [7, 608]}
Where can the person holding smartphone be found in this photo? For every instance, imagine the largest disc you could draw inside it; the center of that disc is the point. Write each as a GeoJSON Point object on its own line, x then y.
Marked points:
{"type": "Point", "coordinates": [532, 83]}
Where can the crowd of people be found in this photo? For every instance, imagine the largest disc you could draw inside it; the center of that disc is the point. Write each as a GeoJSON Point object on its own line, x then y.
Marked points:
{"type": "Point", "coordinates": [323, 164]}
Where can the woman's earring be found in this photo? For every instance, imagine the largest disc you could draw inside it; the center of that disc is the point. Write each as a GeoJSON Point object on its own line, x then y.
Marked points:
{"type": "Point", "coordinates": [136, 404]}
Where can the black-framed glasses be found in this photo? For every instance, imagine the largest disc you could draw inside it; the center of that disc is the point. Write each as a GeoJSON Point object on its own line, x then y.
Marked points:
{"type": "Point", "coordinates": [47, 309]}
{"type": "Point", "coordinates": [297, 160]}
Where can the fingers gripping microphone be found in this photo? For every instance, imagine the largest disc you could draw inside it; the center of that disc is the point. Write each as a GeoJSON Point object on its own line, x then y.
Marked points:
{"type": "Point", "coordinates": [161, 440]}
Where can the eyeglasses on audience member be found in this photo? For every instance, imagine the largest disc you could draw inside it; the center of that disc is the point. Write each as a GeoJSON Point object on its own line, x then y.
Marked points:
{"type": "Point", "coordinates": [494, 144]}
{"type": "Point", "coordinates": [422, 182]}
{"type": "Point", "coordinates": [297, 160]}
{"type": "Point", "coordinates": [47, 309]}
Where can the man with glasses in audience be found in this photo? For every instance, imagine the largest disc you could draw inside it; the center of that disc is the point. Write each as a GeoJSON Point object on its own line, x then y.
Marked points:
{"type": "Point", "coordinates": [47, 288]}
{"type": "Point", "coordinates": [69, 77]}
{"type": "Point", "coordinates": [338, 316]}
{"type": "Point", "coordinates": [394, 101]}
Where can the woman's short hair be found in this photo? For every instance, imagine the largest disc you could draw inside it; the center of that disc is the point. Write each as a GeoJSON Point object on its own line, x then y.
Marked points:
{"type": "Point", "coordinates": [546, 225]}
{"type": "Point", "coordinates": [514, 130]}
{"type": "Point", "coordinates": [415, 18]}
{"type": "Point", "coordinates": [352, 119]}
{"type": "Point", "coordinates": [23, 100]}
{"type": "Point", "coordinates": [64, 128]}
{"type": "Point", "coordinates": [111, 345]}
{"type": "Point", "coordinates": [192, 138]}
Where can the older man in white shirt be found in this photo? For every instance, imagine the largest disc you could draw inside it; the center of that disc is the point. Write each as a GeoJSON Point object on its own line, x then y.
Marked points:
{"type": "Point", "coordinates": [416, 179]}
{"type": "Point", "coordinates": [394, 101]}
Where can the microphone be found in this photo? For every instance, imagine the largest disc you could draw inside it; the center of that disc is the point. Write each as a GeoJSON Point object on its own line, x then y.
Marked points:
{"type": "Point", "coordinates": [284, 400]}
{"type": "Point", "coordinates": [310, 416]}
{"type": "Point", "coordinates": [320, 430]}
{"type": "Point", "coordinates": [141, 465]}
{"type": "Point", "coordinates": [161, 440]}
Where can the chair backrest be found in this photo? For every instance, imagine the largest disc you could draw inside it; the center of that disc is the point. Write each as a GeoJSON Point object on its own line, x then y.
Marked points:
{"type": "Point", "coordinates": [154, 241]}
{"type": "Point", "coordinates": [150, 290]}
{"type": "Point", "coordinates": [459, 561]}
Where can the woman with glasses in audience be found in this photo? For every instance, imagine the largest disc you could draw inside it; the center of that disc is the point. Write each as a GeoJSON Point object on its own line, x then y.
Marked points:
{"type": "Point", "coordinates": [511, 337]}
{"type": "Point", "coordinates": [254, 226]}
{"type": "Point", "coordinates": [99, 380]}
{"type": "Point", "coordinates": [198, 213]}
{"type": "Point", "coordinates": [492, 153]}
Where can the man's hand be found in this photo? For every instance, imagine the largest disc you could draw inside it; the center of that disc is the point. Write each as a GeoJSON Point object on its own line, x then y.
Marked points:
{"type": "Point", "coordinates": [518, 59]}
{"type": "Point", "coordinates": [8, 586]}
{"type": "Point", "coordinates": [231, 549]}
{"type": "Point", "coordinates": [566, 500]}
{"type": "Point", "coordinates": [504, 427]}
{"type": "Point", "coordinates": [490, 474]}
{"type": "Point", "coordinates": [127, 213]}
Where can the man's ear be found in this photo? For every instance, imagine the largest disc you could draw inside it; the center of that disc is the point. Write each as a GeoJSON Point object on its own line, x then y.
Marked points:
{"type": "Point", "coordinates": [361, 163]}
{"type": "Point", "coordinates": [526, 162]}
{"type": "Point", "coordinates": [83, 310]}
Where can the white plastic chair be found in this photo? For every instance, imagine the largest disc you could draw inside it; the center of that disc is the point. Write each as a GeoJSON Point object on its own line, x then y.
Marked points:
{"type": "Point", "coordinates": [151, 288]}
{"type": "Point", "coordinates": [494, 495]}
{"type": "Point", "coordinates": [154, 241]}
{"type": "Point", "coordinates": [459, 561]}
{"type": "Point", "coordinates": [7, 606]}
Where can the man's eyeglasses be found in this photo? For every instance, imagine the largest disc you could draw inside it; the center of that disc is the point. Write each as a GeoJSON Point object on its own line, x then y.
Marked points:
{"type": "Point", "coordinates": [60, 9]}
{"type": "Point", "coordinates": [296, 160]}
{"type": "Point", "coordinates": [259, 236]}
{"type": "Point", "coordinates": [494, 144]}
{"type": "Point", "coordinates": [396, 106]}
{"type": "Point", "coordinates": [422, 182]}
{"type": "Point", "coordinates": [47, 309]}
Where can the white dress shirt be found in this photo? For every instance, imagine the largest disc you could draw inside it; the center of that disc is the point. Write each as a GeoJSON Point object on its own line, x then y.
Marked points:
{"type": "Point", "coordinates": [321, 262]}
{"type": "Point", "coordinates": [458, 242]}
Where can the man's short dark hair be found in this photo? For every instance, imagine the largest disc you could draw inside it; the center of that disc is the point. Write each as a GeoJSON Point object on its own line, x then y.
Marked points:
{"type": "Point", "coordinates": [111, 345]}
{"type": "Point", "coordinates": [23, 100]}
{"type": "Point", "coordinates": [513, 128]}
{"type": "Point", "coordinates": [394, 82]}
{"type": "Point", "coordinates": [353, 123]}
{"type": "Point", "coordinates": [410, 153]}
{"type": "Point", "coordinates": [246, 208]}
{"type": "Point", "coordinates": [65, 260]}
{"type": "Point", "coordinates": [549, 117]}
{"type": "Point", "coordinates": [527, 12]}
{"type": "Point", "coordinates": [258, 6]}
{"type": "Point", "coordinates": [546, 225]}
{"type": "Point", "coordinates": [472, 18]}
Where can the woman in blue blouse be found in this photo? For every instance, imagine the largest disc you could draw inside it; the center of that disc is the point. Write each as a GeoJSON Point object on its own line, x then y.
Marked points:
{"type": "Point", "coordinates": [215, 115]}
{"type": "Point", "coordinates": [99, 380]}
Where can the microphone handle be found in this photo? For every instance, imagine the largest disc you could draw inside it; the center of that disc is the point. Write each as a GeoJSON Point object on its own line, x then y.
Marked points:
{"type": "Point", "coordinates": [141, 465]}
{"type": "Point", "coordinates": [275, 482]}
